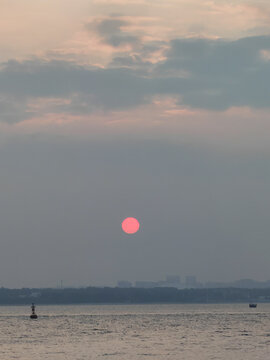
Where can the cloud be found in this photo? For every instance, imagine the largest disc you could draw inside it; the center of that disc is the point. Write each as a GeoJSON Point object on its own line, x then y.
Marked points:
{"type": "Point", "coordinates": [13, 110]}
{"type": "Point", "coordinates": [84, 87]}
{"type": "Point", "coordinates": [113, 31]}
{"type": "Point", "coordinates": [201, 73]}
{"type": "Point", "coordinates": [222, 73]}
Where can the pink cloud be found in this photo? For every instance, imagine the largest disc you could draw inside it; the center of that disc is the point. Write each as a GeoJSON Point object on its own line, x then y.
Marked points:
{"type": "Point", "coordinates": [237, 129]}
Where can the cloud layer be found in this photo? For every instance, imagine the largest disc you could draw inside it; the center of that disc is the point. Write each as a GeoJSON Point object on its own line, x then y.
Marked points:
{"type": "Point", "coordinates": [201, 73]}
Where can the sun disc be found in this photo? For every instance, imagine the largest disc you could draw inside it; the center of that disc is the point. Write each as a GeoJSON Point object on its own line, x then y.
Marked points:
{"type": "Point", "coordinates": [130, 225]}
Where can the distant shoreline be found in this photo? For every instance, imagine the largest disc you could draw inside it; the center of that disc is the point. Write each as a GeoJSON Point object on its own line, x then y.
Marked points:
{"type": "Point", "coordinates": [131, 304]}
{"type": "Point", "coordinates": [115, 296]}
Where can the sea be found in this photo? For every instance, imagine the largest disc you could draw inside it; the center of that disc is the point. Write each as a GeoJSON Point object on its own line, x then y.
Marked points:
{"type": "Point", "coordinates": [133, 332]}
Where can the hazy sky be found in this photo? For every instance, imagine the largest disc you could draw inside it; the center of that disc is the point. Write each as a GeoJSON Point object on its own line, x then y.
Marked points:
{"type": "Point", "coordinates": [157, 109]}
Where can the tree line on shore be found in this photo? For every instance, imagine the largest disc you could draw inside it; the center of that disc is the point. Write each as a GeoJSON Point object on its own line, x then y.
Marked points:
{"type": "Point", "coordinates": [107, 295]}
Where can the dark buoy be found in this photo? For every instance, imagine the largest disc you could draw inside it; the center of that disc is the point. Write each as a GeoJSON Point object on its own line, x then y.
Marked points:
{"type": "Point", "coordinates": [33, 315]}
{"type": "Point", "coordinates": [252, 305]}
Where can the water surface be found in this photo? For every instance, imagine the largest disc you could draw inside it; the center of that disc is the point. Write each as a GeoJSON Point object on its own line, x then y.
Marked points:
{"type": "Point", "coordinates": [132, 332]}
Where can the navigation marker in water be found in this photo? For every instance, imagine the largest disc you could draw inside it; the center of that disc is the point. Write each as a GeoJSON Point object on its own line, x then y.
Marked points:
{"type": "Point", "coordinates": [33, 315]}
{"type": "Point", "coordinates": [130, 225]}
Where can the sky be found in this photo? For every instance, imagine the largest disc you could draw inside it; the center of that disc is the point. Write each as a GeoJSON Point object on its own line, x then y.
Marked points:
{"type": "Point", "coordinates": [152, 109]}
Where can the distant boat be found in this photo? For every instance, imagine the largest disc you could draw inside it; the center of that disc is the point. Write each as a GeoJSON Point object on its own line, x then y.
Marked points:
{"type": "Point", "coordinates": [252, 305]}
{"type": "Point", "coordinates": [33, 315]}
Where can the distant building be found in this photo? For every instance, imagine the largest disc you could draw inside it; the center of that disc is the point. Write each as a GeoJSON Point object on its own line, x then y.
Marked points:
{"type": "Point", "coordinates": [173, 279]}
{"type": "Point", "coordinates": [146, 284]}
{"type": "Point", "coordinates": [247, 284]}
{"type": "Point", "coordinates": [124, 284]}
{"type": "Point", "coordinates": [191, 281]}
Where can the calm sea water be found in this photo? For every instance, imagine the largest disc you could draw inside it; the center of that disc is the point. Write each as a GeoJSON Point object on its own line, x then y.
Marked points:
{"type": "Point", "coordinates": [132, 332]}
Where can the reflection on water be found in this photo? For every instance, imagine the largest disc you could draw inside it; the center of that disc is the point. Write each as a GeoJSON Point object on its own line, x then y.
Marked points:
{"type": "Point", "coordinates": [168, 332]}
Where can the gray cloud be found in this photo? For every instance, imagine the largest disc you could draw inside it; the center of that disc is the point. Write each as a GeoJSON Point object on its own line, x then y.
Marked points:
{"type": "Point", "coordinates": [13, 110]}
{"type": "Point", "coordinates": [107, 89]}
{"type": "Point", "coordinates": [111, 31]}
{"type": "Point", "coordinates": [218, 75]}
{"type": "Point", "coordinates": [222, 73]}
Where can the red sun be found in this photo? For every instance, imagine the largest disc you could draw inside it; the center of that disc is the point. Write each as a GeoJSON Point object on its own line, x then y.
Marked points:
{"type": "Point", "coordinates": [130, 225]}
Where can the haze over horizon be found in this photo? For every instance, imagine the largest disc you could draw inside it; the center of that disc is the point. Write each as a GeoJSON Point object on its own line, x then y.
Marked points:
{"type": "Point", "coordinates": [157, 110]}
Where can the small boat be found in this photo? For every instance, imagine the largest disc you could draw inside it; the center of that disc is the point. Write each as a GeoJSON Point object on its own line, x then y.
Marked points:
{"type": "Point", "coordinates": [252, 305]}
{"type": "Point", "coordinates": [33, 315]}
